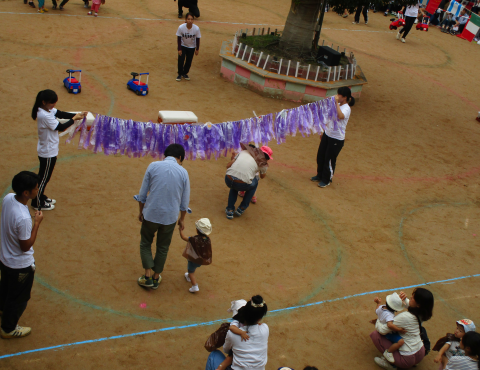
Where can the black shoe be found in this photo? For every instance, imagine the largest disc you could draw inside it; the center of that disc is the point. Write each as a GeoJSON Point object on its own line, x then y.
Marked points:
{"type": "Point", "coordinates": [316, 178]}
{"type": "Point", "coordinates": [25, 1]}
{"type": "Point", "coordinates": [186, 77]}
{"type": "Point", "coordinates": [180, 15]}
{"type": "Point", "coordinates": [61, 7]}
{"type": "Point", "coordinates": [179, 78]}
{"type": "Point", "coordinates": [54, 7]}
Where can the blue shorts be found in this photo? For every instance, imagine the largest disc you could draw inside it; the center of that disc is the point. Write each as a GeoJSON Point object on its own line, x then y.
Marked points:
{"type": "Point", "coordinates": [393, 337]}
{"type": "Point", "coordinates": [192, 266]}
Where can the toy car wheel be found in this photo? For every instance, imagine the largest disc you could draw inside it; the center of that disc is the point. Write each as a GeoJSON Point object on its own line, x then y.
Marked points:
{"type": "Point", "coordinates": [128, 87]}
{"type": "Point", "coordinates": [79, 90]}
{"type": "Point", "coordinates": [146, 93]}
{"type": "Point", "coordinates": [137, 92]}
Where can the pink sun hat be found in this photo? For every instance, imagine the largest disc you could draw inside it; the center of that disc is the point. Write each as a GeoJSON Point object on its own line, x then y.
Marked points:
{"type": "Point", "coordinates": [267, 150]}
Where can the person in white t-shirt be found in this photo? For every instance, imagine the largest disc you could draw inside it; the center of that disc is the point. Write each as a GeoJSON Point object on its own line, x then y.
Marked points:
{"type": "Point", "coordinates": [411, 14]}
{"type": "Point", "coordinates": [17, 264]}
{"type": "Point", "coordinates": [188, 43]}
{"type": "Point", "coordinates": [333, 138]}
{"type": "Point", "coordinates": [45, 113]}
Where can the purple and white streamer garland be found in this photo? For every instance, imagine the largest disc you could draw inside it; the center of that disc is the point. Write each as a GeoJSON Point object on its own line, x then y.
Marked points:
{"type": "Point", "coordinates": [137, 139]}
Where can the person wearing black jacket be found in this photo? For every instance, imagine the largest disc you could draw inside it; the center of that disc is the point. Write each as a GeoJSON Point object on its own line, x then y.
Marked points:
{"type": "Point", "coordinates": [45, 113]}
{"type": "Point", "coordinates": [192, 6]}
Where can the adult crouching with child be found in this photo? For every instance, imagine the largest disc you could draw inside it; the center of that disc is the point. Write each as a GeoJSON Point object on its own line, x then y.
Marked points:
{"type": "Point", "coordinates": [241, 176]}
{"type": "Point", "coordinates": [419, 309]}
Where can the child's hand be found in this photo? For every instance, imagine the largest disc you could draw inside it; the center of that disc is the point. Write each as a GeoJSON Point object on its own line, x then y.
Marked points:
{"type": "Point", "coordinates": [377, 300]}
{"type": "Point", "coordinates": [403, 296]}
{"type": "Point", "coordinates": [402, 330]}
{"type": "Point", "coordinates": [437, 359]}
{"type": "Point", "coordinates": [245, 336]}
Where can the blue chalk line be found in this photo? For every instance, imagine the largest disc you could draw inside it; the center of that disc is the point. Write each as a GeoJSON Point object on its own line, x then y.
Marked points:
{"type": "Point", "coordinates": [207, 323]}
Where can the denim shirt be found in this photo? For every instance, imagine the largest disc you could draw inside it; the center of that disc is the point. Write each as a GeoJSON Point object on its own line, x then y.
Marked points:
{"type": "Point", "coordinates": [168, 188]}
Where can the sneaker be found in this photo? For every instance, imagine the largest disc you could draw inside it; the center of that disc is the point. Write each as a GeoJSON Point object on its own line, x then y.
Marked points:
{"type": "Point", "coordinates": [187, 277]}
{"type": "Point", "coordinates": [403, 40]}
{"type": "Point", "coordinates": [180, 15]}
{"type": "Point", "coordinates": [385, 14]}
{"type": "Point", "coordinates": [323, 185]}
{"type": "Point", "coordinates": [229, 214]}
{"type": "Point", "coordinates": [19, 332]}
{"type": "Point", "coordinates": [388, 356]}
{"type": "Point", "coordinates": [186, 77]}
{"type": "Point", "coordinates": [254, 199]}
{"type": "Point", "coordinates": [239, 211]}
{"type": "Point", "coordinates": [416, 21]}
{"type": "Point", "coordinates": [179, 78]}
{"type": "Point", "coordinates": [156, 282]}
{"type": "Point", "coordinates": [86, 5]}
{"type": "Point", "coordinates": [32, 5]}
{"type": "Point", "coordinates": [89, 13]}
{"type": "Point", "coordinates": [354, 22]}
{"type": "Point", "coordinates": [54, 7]}
{"type": "Point", "coordinates": [50, 201]}
{"type": "Point", "coordinates": [384, 363]}
{"type": "Point", "coordinates": [315, 178]}
{"type": "Point", "coordinates": [366, 22]}
{"type": "Point", "coordinates": [96, 14]}
{"type": "Point", "coordinates": [193, 289]}
{"type": "Point", "coordinates": [41, 11]}
{"type": "Point", "coordinates": [241, 194]}
{"type": "Point", "coordinates": [61, 7]}
{"type": "Point", "coordinates": [45, 10]}
{"type": "Point", "coordinates": [45, 207]}
{"type": "Point", "coordinates": [145, 281]}
{"type": "Point", "coordinates": [398, 35]}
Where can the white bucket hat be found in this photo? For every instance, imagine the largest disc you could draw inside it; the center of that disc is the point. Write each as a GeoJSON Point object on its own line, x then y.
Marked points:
{"type": "Point", "coordinates": [236, 305]}
{"type": "Point", "coordinates": [467, 324]}
{"type": "Point", "coordinates": [204, 226]}
{"type": "Point", "coordinates": [395, 302]}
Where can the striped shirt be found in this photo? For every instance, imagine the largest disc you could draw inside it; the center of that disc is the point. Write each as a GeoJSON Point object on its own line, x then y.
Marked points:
{"type": "Point", "coordinates": [462, 363]}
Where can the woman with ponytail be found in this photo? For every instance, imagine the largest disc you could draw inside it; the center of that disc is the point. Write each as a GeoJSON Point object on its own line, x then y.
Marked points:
{"type": "Point", "coordinates": [45, 113]}
{"type": "Point", "coordinates": [333, 138]}
{"type": "Point", "coordinates": [470, 343]}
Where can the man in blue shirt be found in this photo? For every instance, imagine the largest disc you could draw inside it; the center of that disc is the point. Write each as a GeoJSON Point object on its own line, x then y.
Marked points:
{"type": "Point", "coordinates": [168, 187]}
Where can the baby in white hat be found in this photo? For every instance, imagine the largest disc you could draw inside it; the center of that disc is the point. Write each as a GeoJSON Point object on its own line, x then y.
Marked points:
{"type": "Point", "coordinates": [384, 324]}
{"type": "Point", "coordinates": [198, 251]}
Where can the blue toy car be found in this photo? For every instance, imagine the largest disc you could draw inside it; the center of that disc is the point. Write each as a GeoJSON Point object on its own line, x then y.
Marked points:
{"type": "Point", "coordinates": [71, 83]}
{"type": "Point", "coordinates": [138, 86]}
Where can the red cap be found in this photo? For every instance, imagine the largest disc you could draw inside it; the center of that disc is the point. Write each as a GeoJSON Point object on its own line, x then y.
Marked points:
{"type": "Point", "coordinates": [267, 150]}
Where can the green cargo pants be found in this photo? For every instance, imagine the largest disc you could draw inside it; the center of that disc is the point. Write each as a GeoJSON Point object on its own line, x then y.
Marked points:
{"type": "Point", "coordinates": [164, 238]}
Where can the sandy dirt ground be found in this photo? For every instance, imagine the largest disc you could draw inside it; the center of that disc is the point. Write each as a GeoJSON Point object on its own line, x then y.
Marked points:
{"type": "Point", "coordinates": [403, 208]}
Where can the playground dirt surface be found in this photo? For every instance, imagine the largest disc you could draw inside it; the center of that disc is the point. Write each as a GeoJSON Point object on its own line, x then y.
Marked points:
{"type": "Point", "coordinates": [403, 208]}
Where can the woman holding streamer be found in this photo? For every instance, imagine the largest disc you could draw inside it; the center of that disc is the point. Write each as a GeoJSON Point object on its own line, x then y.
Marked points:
{"type": "Point", "coordinates": [420, 307]}
{"type": "Point", "coordinates": [45, 113]}
{"type": "Point", "coordinates": [332, 139]}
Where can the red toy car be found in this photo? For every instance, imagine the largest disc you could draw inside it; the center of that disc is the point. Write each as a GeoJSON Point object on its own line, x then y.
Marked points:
{"type": "Point", "coordinates": [400, 22]}
{"type": "Point", "coordinates": [424, 25]}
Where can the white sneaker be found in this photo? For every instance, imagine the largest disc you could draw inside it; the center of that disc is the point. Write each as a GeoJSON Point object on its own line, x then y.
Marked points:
{"type": "Point", "coordinates": [416, 21]}
{"type": "Point", "coordinates": [45, 207]}
{"type": "Point", "coordinates": [388, 356]}
{"type": "Point", "coordinates": [355, 22]}
{"type": "Point", "coordinates": [380, 361]}
{"type": "Point", "coordinates": [19, 332]}
{"type": "Point", "coordinates": [193, 289]}
{"type": "Point", "coordinates": [398, 35]}
{"type": "Point", "coordinates": [50, 201]}
{"type": "Point", "coordinates": [187, 277]}
{"type": "Point", "coordinates": [403, 40]}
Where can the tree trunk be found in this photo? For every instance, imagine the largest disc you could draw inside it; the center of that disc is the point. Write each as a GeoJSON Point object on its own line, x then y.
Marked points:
{"type": "Point", "coordinates": [300, 26]}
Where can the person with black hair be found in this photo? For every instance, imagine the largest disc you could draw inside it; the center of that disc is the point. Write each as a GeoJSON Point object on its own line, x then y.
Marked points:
{"type": "Point", "coordinates": [17, 264]}
{"type": "Point", "coordinates": [419, 309]}
{"type": "Point", "coordinates": [188, 44]}
{"type": "Point", "coordinates": [192, 6]}
{"type": "Point", "coordinates": [470, 343]}
{"type": "Point", "coordinates": [411, 14]}
{"type": "Point", "coordinates": [247, 351]}
{"type": "Point", "coordinates": [361, 10]}
{"type": "Point", "coordinates": [165, 191]}
{"type": "Point", "coordinates": [333, 139]}
{"type": "Point", "coordinates": [45, 113]}
{"type": "Point", "coordinates": [241, 176]}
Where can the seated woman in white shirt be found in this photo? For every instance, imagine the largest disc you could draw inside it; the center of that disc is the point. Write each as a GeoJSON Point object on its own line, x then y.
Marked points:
{"type": "Point", "coordinates": [420, 307]}
{"type": "Point", "coordinates": [248, 354]}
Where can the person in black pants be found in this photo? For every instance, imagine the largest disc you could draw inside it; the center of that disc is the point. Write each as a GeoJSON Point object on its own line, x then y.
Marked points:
{"type": "Point", "coordinates": [411, 13]}
{"type": "Point", "coordinates": [45, 113]}
{"type": "Point", "coordinates": [333, 138]}
{"type": "Point", "coordinates": [188, 43]}
{"type": "Point", "coordinates": [17, 264]}
{"type": "Point", "coordinates": [364, 12]}
{"type": "Point", "coordinates": [62, 4]}
{"type": "Point", "coordinates": [192, 6]}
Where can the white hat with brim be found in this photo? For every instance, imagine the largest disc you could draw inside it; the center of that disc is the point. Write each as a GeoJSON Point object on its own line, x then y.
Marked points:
{"type": "Point", "coordinates": [204, 226]}
{"type": "Point", "coordinates": [395, 302]}
{"type": "Point", "coordinates": [467, 324]}
{"type": "Point", "coordinates": [236, 305]}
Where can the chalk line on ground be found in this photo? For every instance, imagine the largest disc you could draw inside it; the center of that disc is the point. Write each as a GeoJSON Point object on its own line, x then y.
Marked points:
{"type": "Point", "coordinates": [208, 323]}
